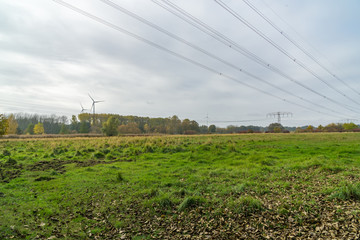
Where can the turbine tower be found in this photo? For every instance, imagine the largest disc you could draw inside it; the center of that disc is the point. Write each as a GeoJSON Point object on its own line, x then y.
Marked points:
{"type": "Point", "coordinates": [93, 107]}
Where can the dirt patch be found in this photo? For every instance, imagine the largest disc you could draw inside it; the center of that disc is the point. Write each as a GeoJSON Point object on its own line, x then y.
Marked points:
{"type": "Point", "coordinates": [9, 170]}
{"type": "Point", "coordinates": [44, 178]}
{"type": "Point", "coordinates": [58, 165]}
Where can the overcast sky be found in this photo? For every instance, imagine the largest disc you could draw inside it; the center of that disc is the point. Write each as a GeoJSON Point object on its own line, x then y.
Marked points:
{"type": "Point", "coordinates": [52, 57]}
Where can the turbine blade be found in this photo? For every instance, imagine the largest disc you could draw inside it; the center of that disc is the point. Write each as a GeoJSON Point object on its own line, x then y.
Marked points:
{"type": "Point", "coordinates": [91, 97]}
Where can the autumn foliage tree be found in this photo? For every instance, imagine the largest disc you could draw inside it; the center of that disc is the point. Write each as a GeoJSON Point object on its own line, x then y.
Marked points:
{"type": "Point", "coordinates": [350, 126]}
{"type": "Point", "coordinates": [12, 124]}
{"type": "Point", "coordinates": [3, 124]}
{"type": "Point", "coordinates": [131, 128]}
{"type": "Point", "coordinates": [39, 128]}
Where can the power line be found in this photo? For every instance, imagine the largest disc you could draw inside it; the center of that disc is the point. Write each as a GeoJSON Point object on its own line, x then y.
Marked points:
{"type": "Point", "coordinates": [117, 28]}
{"type": "Point", "coordinates": [158, 28]}
{"type": "Point", "coordinates": [307, 53]}
{"type": "Point", "coordinates": [282, 50]}
{"type": "Point", "coordinates": [197, 23]}
{"type": "Point", "coordinates": [239, 121]}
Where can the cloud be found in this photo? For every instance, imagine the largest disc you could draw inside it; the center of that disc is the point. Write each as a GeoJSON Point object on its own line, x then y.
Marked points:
{"type": "Point", "coordinates": [53, 57]}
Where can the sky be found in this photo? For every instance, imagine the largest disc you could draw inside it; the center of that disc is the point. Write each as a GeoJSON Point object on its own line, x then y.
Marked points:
{"type": "Point", "coordinates": [53, 56]}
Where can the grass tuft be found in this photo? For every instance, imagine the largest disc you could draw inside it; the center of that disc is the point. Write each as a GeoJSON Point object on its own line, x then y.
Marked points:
{"type": "Point", "coordinates": [119, 177]}
{"type": "Point", "coordinates": [246, 205]}
{"type": "Point", "coordinates": [347, 192]}
{"type": "Point", "coordinates": [191, 202]}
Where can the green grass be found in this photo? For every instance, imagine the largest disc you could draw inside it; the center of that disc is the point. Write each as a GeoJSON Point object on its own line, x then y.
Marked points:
{"type": "Point", "coordinates": [176, 186]}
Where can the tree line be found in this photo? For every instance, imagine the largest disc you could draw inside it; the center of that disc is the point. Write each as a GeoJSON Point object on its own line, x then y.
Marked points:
{"type": "Point", "coordinates": [114, 124]}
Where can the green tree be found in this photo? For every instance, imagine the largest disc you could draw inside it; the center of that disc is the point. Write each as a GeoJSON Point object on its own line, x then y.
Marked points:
{"type": "Point", "coordinates": [174, 125]}
{"type": "Point", "coordinates": [39, 128]}
{"type": "Point", "coordinates": [74, 125]}
{"type": "Point", "coordinates": [350, 126]}
{"type": "Point", "coordinates": [18, 131]}
{"type": "Point", "coordinates": [212, 128]}
{"type": "Point", "coordinates": [204, 129]}
{"type": "Point", "coordinates": [64, 129]}
{"type": "Point", "coordinates": [110, 126]}
{"type": "Point", "coordinates": [275, 128]}
{"type": "Point", "coordinates": [3, 124]}
{"type": "Point", "coordinates": [84, 127]}
{"type": "Point", "coordinates": [30, 129]}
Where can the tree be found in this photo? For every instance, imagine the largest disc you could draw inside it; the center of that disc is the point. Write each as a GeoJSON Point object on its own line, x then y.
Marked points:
{"type": "Point", "coordinates": [74, 125]}
{"type": "Point", "coordinates": [3, 124]}
{"type": "Point", "coordinates": [332, 127]}
{"type": "Point", "coordinates": [131, 128]}
{"type": "Point", "coordinates": [39, 128]}
{"type": "Point", "coordinates": [147, 128]}
{"type": "Point", "coordinates": [84, 127]}
{"type": "Point", "coordinates": [349, 126]}
{"type": "Point", "coordinates": [190, 127]}
{"type": "Point", "coordinates": [110, 126]}
{"type": "Point", "coordinates": [212, 128]}
{"type": "Point", "coordinates": [64, 129]}
{"type": "Point", "coordinates": [320, 128]}
{"type": "Point", "coordinates": [12, 124]}
{"type": "Point", "coordinates": [30, 129]}
{"type": "Point", "coordinates": [275, 128]}
{"type": "Point", "coordinates": [204, 129]}
{"type": "Point", "coordinates": [18, 131]}
{"type": "Point", "coordinates": [310, 128]}
{"type": "Point", "coordinates": [174, 125]}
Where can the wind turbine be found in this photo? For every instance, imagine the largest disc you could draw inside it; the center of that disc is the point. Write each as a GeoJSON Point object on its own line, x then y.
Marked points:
{"type": "Point", "coordinates": [82, 108]}
{"type": "Point", "coordinates": [93, 107]}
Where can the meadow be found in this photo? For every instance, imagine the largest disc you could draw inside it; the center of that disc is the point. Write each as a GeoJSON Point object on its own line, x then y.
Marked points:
{"type": "Point", "coordinates": [249, 186]}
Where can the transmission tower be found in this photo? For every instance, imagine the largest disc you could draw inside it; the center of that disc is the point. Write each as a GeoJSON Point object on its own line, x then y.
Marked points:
{"type": "Point", "coordinates": [279, 115]}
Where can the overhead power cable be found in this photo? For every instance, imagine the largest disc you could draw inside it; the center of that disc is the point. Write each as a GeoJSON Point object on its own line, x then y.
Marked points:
{"type": "Point", "coordinates": [307, 53]}
{"type": "Point", "coordinates": [240, 121]}
{"type": "Point", "coordinates": [148, 23]}
{"type": "Point", "coordinates": [126, 32]}
{"type": "Point", "coordinates": [195, 22]}
{"type": "Point", "coordinates": [282, 50]}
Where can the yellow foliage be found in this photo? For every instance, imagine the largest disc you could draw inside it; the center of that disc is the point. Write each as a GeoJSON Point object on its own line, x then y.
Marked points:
{"type": "Point", "coordinates": [12, 125]}
{"type": "Point", "coordinates": [39, 128]}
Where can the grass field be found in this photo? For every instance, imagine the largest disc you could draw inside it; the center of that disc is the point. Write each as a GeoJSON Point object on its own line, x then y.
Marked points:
{"type": "Point", "coordinates": [256, 186]}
